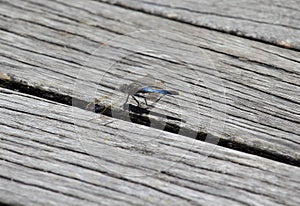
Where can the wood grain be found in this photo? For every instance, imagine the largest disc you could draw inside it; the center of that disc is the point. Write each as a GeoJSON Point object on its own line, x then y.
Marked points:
{"type": "Point", "coordinates": [275, 22]}
{"type": "Point", "coordinates": [241, 93]}
{"type": "Point", "coordinates": [53, 154]}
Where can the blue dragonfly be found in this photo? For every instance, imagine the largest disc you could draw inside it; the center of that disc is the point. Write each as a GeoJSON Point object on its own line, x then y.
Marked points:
{"type": "Point", "coordinates": [146, 87]}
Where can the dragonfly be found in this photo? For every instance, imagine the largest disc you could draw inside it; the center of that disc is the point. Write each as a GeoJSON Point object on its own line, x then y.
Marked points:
{"type": "Point", "coordinates": [146, 87]}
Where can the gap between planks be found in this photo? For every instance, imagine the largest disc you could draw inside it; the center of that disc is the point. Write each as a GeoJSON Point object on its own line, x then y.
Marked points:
{"type": "Point", "coordinates": [191, 17]}
{"type": "Point", "coordinates": [173, 126]}
{"type": "Point", "coordinates": [48, 155]}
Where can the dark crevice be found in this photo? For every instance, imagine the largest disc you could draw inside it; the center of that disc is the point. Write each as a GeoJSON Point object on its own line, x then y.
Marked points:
{"type": "Point", "coordinates": [231, 32]}
{"type": "Point", "coordinates": [235, 162]}
{"type": "Point", "coordinates": [247, 86]}
{"type": "Point", "coordinates": [259, 152]}
{"type": "Point", "coordinates": [217, 14]}
{"type": "Point", "coordinates": [256, 72]}
{"type": "Point", "coordinates": [24, 87]}
{"type": "Point", "coordinates": [140, 116]}
{"type": "Point", "coordinates": [173, 62]}
{"type": "Point", "coordinates": [295, 121]}
{"type": "Point", "coordinates": [10, 204]}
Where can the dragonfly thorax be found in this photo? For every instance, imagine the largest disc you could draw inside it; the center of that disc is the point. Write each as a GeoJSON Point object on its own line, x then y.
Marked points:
{"type": "Point", "coordinates": [130, 88]}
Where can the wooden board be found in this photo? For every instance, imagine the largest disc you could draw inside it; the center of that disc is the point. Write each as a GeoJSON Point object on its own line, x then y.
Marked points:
{"type": "Point", "coordinates": [53, 154]}
{"type": "Point", "coordinates": [271, 21]}
{"type": "Point", "coordinates": [238, 93]}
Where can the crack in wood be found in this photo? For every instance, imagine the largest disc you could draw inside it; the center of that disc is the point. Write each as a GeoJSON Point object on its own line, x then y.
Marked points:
{"type": "Point", "coordinates": [136, 118]}
{"type": "Point", "coordinates": [235, 32]}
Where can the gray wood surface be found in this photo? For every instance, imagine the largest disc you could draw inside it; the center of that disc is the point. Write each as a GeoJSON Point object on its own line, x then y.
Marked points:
{"type": "Point", "coordinates": [272, 21]}
{"type": "Point", "coordinates": [239, 93]}
{"type": "Point", "coordinates": [243, 94]}
{"type": "Point", "coordinates": [52, 154]}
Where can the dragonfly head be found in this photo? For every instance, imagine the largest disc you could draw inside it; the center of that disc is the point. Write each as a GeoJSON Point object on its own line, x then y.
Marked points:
{"type": "Point", "coordinates": [124, 88]}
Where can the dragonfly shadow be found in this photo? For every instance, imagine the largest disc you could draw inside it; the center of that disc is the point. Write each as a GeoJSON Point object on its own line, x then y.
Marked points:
{"type": "Point", "coordinates": [136, 109]}
{"type": "Point", "coordinates": [140, 110]}
{"type": "Point", "coordinates": [139, 115]}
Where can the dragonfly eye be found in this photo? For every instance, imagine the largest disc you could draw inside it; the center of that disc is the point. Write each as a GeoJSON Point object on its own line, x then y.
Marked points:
{"type": "Point", "coordinates": [123, 88]}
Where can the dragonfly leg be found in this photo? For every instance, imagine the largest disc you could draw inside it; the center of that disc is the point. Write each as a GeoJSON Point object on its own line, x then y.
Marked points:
{"type": "Point", "coordinates": [136, 100]}
{"type": "Point", "coordinates": [124, 105]}
{"type": "Point", "coordinates": [126, 99]}
{"type": "Point", "coordinates": [158, 99]}
{"type": "Point", "coordinates": [146, 101]}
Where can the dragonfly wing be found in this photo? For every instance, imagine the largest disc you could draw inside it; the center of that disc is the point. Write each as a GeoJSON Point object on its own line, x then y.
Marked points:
{"type": "Point", "coordinates": [147, 87]}
{"type": "Point", "coordinates": [149, 81]}
{"type": "Point", "coordinates": [154, 90]}
{"type": "Point", "coordinates": [131, 89]}
{"type": "Point", "coordinates": [150, 85]}
{"type": "Point", "coordinates": [153, 96]}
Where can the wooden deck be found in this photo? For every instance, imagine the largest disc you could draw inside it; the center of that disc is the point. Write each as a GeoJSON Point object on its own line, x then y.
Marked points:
{"type": "Point", "coordinates": [232, 136]}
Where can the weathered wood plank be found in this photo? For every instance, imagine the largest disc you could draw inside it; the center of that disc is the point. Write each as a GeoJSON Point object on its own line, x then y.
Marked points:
{"type": "Point", "coordinates": [276, 22]}
{"type": "Point", "coordinates": [47, 44]}
{"type": "Point", "coordinates": [52, 154]}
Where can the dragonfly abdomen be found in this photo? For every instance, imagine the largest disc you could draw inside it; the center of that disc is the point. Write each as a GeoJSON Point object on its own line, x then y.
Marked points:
{"type": "Point", "coordinates": [151, 90]}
